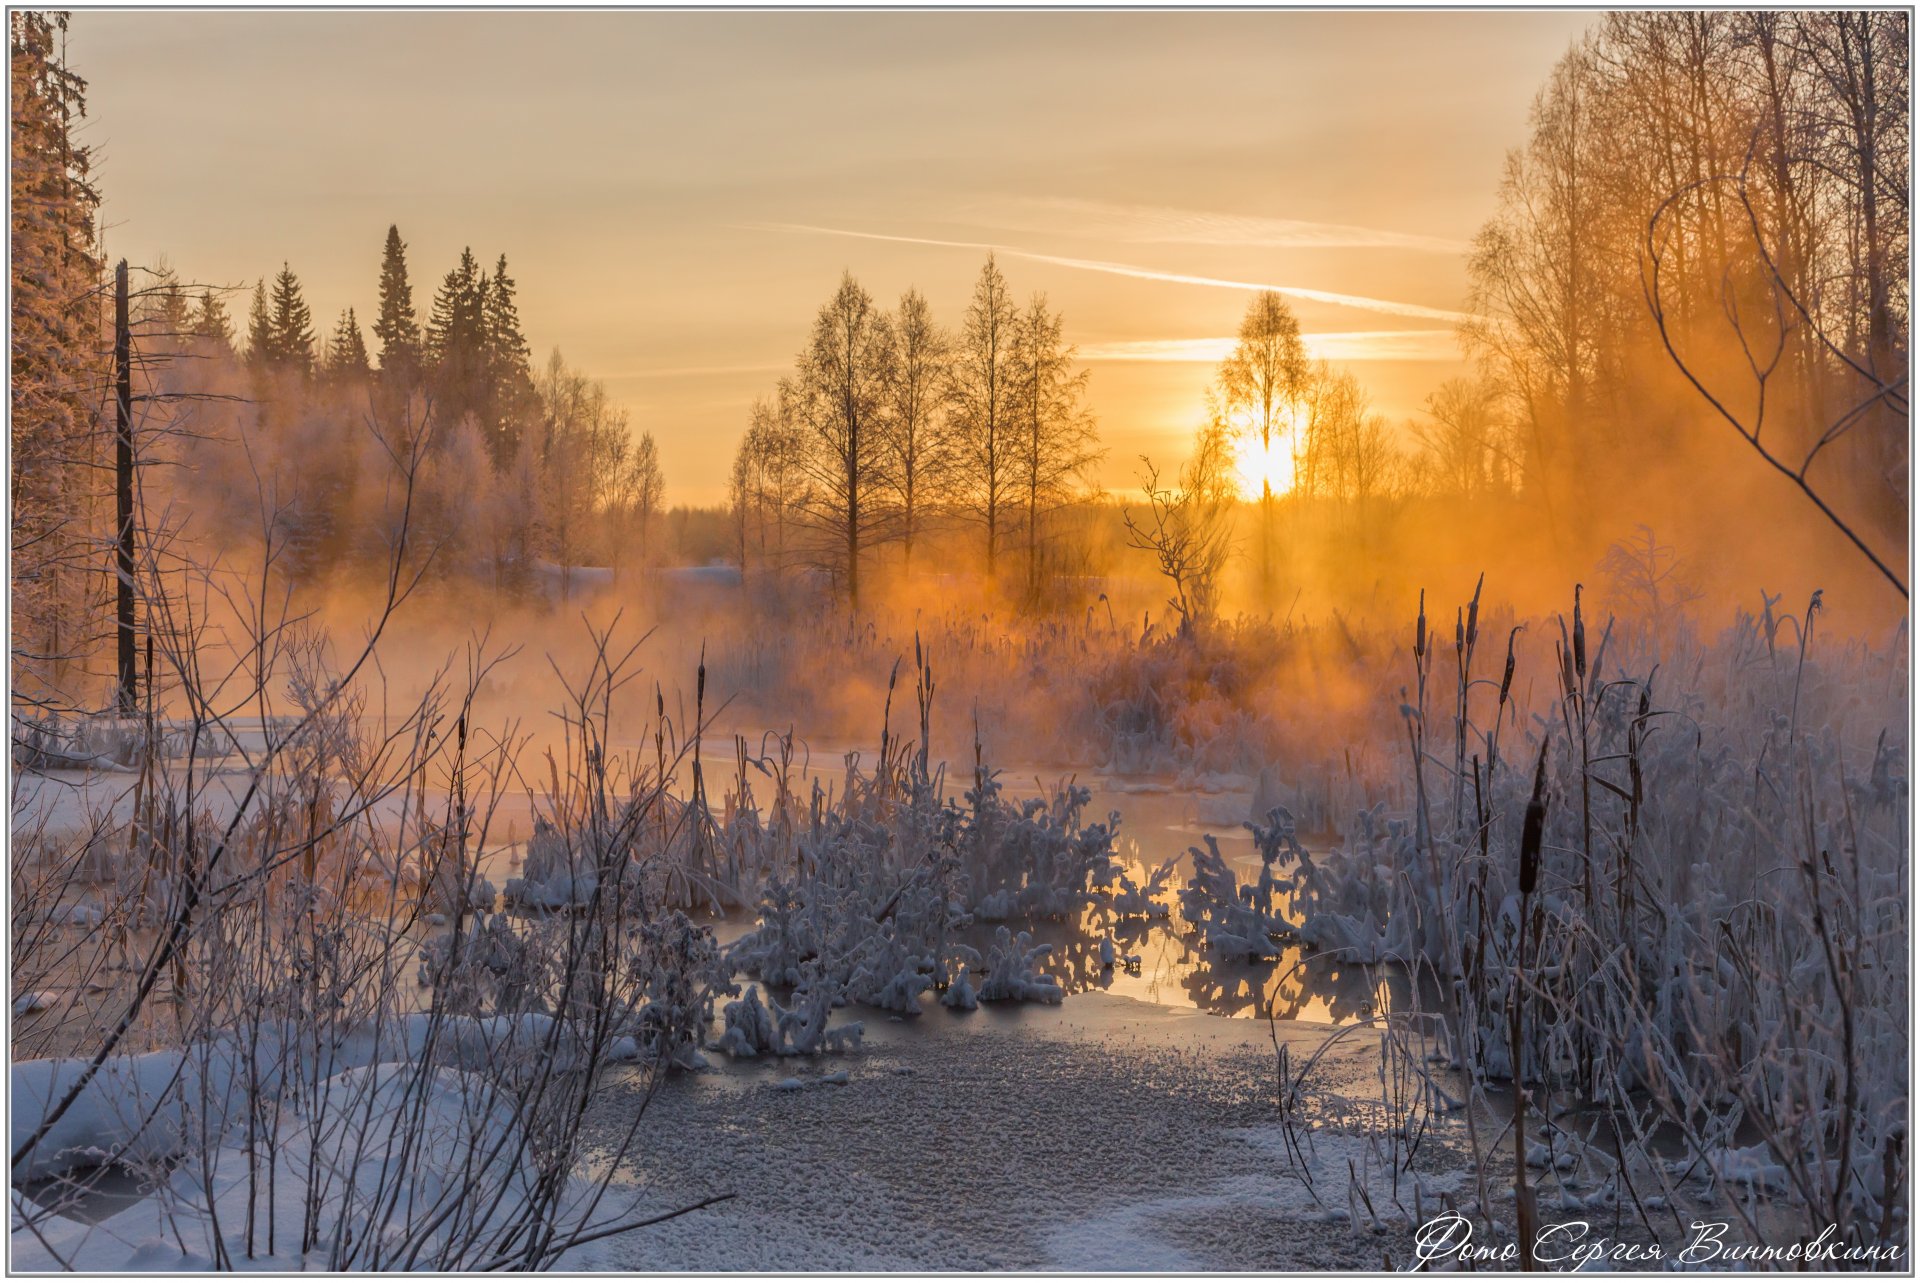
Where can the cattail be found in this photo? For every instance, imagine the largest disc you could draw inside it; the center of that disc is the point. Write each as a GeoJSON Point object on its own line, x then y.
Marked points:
{"type": "Point", "coordinates": [1506, 678]}
{"type": "Point", "coordinates": [1473, 611]}
{"type": "Point", "coordinates": [1533, 828]}
{"type": "Point", "coordinates": [1567, 684]}
{"type": "Point", "coordinates": [1459, 632]}
{"type": "Point", "coordinates": [1579, 636]}
{"type": "Point", "coordinates": [1420, 629]}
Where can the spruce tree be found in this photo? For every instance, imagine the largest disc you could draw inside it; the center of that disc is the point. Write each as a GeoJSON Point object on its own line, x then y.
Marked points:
{"type": "Point", "coordinates": [54, 394]}
{"type": "Point", "coordinates": [509, 375]}
{"type": "Point", "coordinates": [456, 341]}
{"type": "Point", "coordinates": [292, 325]}
{"type": "Point", "coordinates": [259, 328]}
{"type": "Point", "coordinates": [209, 321]}
{"type": "Point", "coordinates": [396, 327]}
{"type": "Point", "coordinates": [347, 349]}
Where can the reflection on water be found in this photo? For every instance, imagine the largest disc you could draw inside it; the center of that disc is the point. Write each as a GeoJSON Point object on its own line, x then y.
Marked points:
{"type": "Point", "coordinates": [1173, 969]}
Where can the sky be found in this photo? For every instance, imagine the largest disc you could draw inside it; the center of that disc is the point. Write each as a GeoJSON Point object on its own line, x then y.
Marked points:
{"type": "Point", "coordinates": [678, 193]}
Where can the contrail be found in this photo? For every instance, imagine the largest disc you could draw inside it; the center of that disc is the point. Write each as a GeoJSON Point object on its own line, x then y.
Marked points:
{"type": "Point", "coordinates": [1331, 345]}
{"type": "Point", "coordinates": [1156, 224]}
{"type": "Point", "coordinates": [690, 372]}
{"type": "Point", "coordinates": [1359, 301]}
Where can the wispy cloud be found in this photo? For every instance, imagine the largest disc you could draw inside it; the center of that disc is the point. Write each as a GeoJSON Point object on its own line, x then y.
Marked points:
{"type": "Point", "coordinates": [690, 372]}
{"type": "Point", "coordinates": [1358, 301]}
{"type": "Point", "coordinates": [1332, 345]}
{"type": "Point", "coordinates": [1163, 225]}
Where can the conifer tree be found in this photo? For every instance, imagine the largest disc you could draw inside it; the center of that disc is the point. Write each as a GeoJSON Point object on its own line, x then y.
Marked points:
{"type": "Point", "coordinates": [56, 336]}
{"type": "Point", "coordinates": [347, 350]}
{"type": "Point", "coordinates": [456, 341]}
{"type": "Point", "coordinates": [209, 320]}
{"type": "Point", "coordinates": [397, 328]}
{"type": "Point", "coordinates": [289, 328]}
{"type": "Point", "coordinates": [259, 327]}
{"type": "Point", "coordinates": [509, 377]}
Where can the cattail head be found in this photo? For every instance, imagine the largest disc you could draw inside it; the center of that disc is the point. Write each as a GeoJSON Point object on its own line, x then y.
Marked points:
{"type": "Point", "coordinates": [1473, 611]}
{"type": "Point", "coordinates": [1420, 629]}
{"type": "Point", "coordinates": [1506, 678]}
{"type": "Point", "coordinates": [1579, 636]}
{"type": "Point", "coordinates": [1533, 828]}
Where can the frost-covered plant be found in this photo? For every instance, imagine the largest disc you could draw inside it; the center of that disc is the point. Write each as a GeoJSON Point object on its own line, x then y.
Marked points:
{"type": "Point", "coordinates": [1013, 970]}
{"type": "Point", "coordinates": [1237, 921]}
{"type": "Point", "coordinates": [1039, 859]}
{"type": "Point", "coordinates": [309, 1106]}
{"type": "Point", "coordinates": [754, 1028]}
{"type": "Point", "coordinates": [1677, 897]}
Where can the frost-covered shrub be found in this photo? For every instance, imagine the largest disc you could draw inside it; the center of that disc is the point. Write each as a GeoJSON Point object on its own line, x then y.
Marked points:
{"type": "Point", "coordinates": [753, 1027]}
{"type": "Point", "coordinates": [1673, 885]}
{"type": "Point", "coordinates": [1235, 921]}
{"type": "Point", "coordinates": [1036, 859]}
{"type": "Point", "coordinates": [1013, 971]}
{"type": "Point", "coordinates": [873, 890]}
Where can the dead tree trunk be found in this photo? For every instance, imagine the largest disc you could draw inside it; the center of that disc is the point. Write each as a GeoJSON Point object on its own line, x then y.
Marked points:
{"type": "Point", "coordinates": [127, 702]}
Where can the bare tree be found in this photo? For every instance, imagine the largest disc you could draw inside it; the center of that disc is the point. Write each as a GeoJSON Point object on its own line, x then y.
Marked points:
{"type": "Point", "coordinates": [1464, 440]}
{"type": "Point", "coordinates": [635, 494]}
{"type": "Point", "coordinates": [837, 398]}
{"type": "Point", "coordinates": [1053, 430]}
{"type": "Point", "coordinates": [584, 442]}
{"type": "Point", "coordinates": [918, 454]}
{"type": "Point", "coordinates": [1188, 528]}
{"type": "Point", "coordinates": [985, 450]}
{"type": "Point", "coordinates": [1261, 383]}
{"type": "Point", "coordinates": [767, 486]}
{"type": "Point", "coordinates": [1761, 334]}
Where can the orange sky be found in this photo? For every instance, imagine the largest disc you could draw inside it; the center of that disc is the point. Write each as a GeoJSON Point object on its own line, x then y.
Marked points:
{"type": "Point", "coordinates": [678, 192]}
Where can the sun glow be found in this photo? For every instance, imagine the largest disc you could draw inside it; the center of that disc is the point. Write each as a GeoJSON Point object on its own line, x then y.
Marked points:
{"type": "Point", "coordinates": [1260, 468]}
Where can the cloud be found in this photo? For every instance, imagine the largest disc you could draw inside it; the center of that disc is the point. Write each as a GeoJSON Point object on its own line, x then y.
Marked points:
{"type": "Point", "coordinates": [1357, 301]}
{"type": "Point", "coordinates": [1161, 225]}
{"type": "Point", "coordinates": [690, 372]}
{"type": "Point", "coordinates": [1332, 345]}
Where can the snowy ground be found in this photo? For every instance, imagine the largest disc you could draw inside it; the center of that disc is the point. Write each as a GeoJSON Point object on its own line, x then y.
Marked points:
{"type": "Point", "coordinates": [1104, 1134]}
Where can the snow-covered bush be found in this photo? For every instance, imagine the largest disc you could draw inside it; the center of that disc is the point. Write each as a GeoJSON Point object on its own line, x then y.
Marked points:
{"type": "Point", "coordinates": [1235, 921]}
{"type": "Point", "coordinates": [753, 1027]}
{"type": "Point", "coordinates": [1013, 971]}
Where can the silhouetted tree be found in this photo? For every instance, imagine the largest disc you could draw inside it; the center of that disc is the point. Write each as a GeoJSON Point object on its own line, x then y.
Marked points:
{"type": "Point", "coordinates": [508, 391]}
{"type": "Point", "coordinates": [396, 326]}
{"type": "Point", "coordinates": [837, 398]}
{"type": "Point", "coordinates": [347, 350]}
{"type": "Point", "coordinates": [1261, 383]}
{"type": "Point", "coordinates": [1052, 430]}
{"type": "Point", "coordinates": [456, 341]}
{"type": "Point", "coordinates": [919, 449]}
{"type": "Point", "coordinates": [986, 451]}
{"type": "Point", "coordinates": [210, 321]}
{"type": "Point", "coordinates": [280, 333]}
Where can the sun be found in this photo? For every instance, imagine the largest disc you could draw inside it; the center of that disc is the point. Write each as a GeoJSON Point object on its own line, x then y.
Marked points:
{"type": "Point", "coordinates": [1263, 467]}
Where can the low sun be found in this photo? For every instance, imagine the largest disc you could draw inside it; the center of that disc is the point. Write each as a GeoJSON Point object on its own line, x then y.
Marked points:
{"type": "Point", "coordinates": [1257, 466]}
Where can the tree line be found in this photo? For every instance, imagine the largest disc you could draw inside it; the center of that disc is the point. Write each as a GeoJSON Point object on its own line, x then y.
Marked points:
{"type": "Point", "coordinates": [523, 472]}
{"type": "Point", "coordinates": [1708, 230]}
{"type": "Point", "coordinates": [891, 426]}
